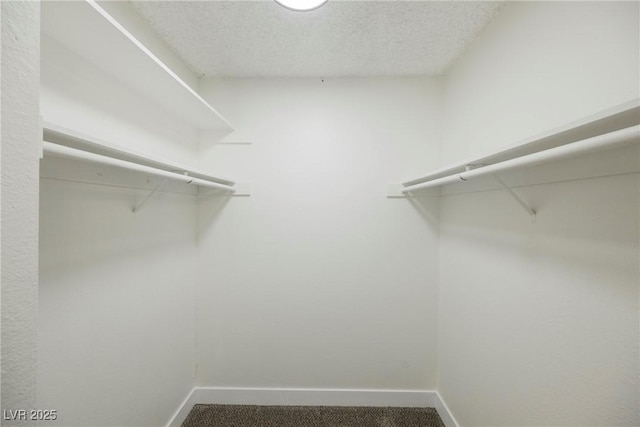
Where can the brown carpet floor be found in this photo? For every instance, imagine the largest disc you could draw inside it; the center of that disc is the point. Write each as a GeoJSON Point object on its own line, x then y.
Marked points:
{"type": "Point", "coordinates": [309, 416]}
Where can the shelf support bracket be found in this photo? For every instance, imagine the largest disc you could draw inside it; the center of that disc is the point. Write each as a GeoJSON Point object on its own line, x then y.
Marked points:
{"type": "Point", "coordinates": [517, 198]}
{"type": "Point", "coordinates": [141, 204]}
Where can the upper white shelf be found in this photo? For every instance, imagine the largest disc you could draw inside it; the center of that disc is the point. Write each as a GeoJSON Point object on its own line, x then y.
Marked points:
{"type": "Point", "coordinates": [89, 31]}
{"type": "Point", "coordinates": [620, 117]}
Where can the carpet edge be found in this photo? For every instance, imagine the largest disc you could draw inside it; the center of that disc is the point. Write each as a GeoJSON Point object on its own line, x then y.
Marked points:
{"type": "Point", "coordinates": [313, 397]}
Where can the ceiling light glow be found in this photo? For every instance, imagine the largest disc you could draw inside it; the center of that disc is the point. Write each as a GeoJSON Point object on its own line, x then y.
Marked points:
{"type": "Point", "coordinates": [301, 5]}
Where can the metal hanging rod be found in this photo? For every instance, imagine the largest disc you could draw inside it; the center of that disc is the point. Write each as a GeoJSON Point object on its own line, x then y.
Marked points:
{"type": "Point", "coordinates": [596, 143]}
{"type": "Point", "coordinates": [62, 151]}
{"type": "Point", "coordinates": [618, 117]}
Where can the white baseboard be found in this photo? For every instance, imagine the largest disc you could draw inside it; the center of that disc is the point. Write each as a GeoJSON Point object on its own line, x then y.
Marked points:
{"type": "Point", "coordinates": [181, 414]}
{"type": "Point", "coordinates": [443, 410]}
{"type": "Point", "coordinates": [312, 397]}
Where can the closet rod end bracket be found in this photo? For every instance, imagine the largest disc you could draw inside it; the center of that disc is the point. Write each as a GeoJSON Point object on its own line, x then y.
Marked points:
{"type": "Point", "coordinates": [243, 189]}
{"type": "Point", "coordinates": [395, 191]}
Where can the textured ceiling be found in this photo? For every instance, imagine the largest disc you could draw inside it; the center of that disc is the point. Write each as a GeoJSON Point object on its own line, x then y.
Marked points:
{"type": "Point", "coordinates": [342, 38]}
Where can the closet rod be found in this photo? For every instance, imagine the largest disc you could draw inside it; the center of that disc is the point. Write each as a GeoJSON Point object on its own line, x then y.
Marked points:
{"type": "Point", "coordinates": [600, 142]}
{"type": "Point", "coordinates": [61, 150]}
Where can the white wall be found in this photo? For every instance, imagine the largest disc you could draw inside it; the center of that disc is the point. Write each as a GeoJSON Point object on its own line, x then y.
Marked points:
{"type": "Point", "coordinates": [117, 289]}
{"type": "Point", "coordinates": [20, 150]}
{"type": "Point", "coordinates": [318, 280]}
{"type": "Point", "coordinates": [539, 322]}
{"type": "Point", "coordinates": [117, 304]}
{"type": "Point", "coordinates": [536, 67]}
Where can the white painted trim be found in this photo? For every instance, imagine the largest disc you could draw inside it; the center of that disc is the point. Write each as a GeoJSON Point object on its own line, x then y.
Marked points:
{"type": "Point", "coordinates": [443, 410]}
{"type": "Point", "coordinates": [181, 413]}
{"type": "Point", "coordinates": [313, 397]}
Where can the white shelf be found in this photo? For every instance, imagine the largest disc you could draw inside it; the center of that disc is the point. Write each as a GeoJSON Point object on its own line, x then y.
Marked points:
{"type": "Point", "coordinates": [615, 130]}
{"type": "Point", "coordinates": [89, 31]}
{"type": "Point", "coordinates": [619, 117]}
{"type": "Point", "coordinates": [76, 140]}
